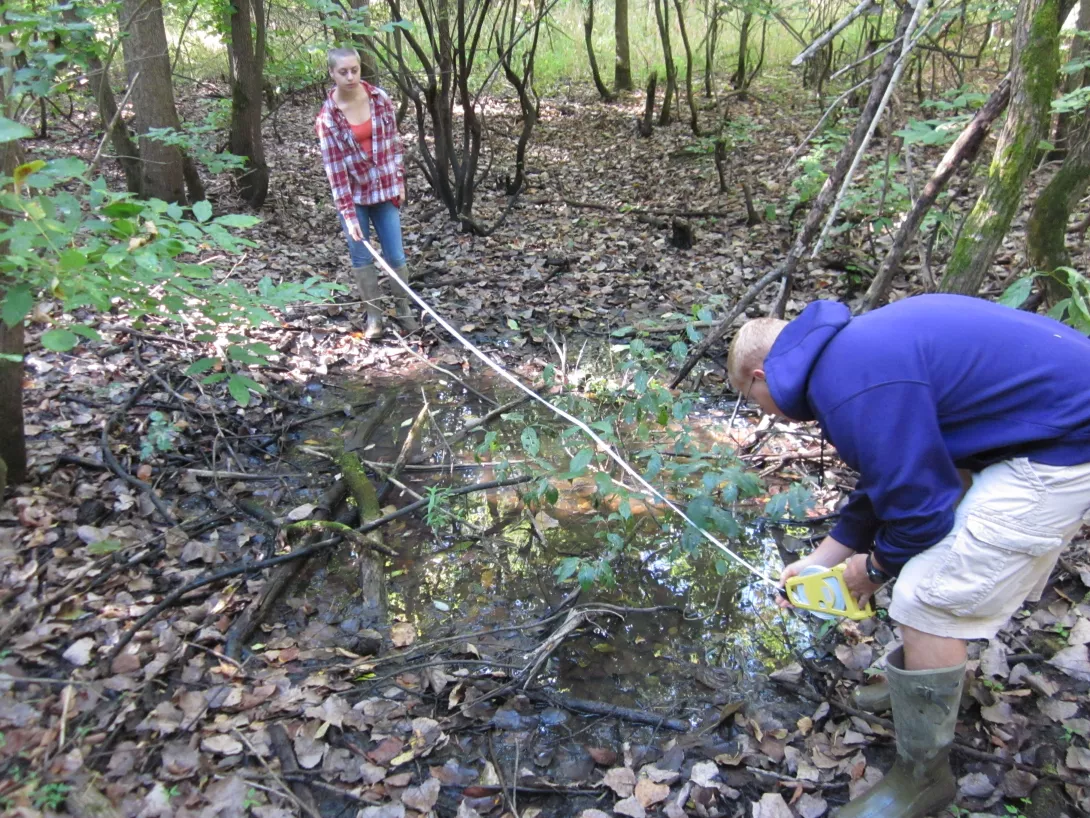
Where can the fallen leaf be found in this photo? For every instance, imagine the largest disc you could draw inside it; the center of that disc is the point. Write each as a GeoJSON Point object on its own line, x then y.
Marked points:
{"type": "Point", "coordinates": [125, 663]}
{"type": "Point", "coordinates": [603, 755]}
{"type": "Point", "coordinates": [703, 772]}
{"type": "Point", "coordinates": [221, 743]}
{"type": "Point", "coordinates": [385, 811]}
{"type": "Point", "coordinates": [630, 807]}
{"type": "Point", "coordinates": [772, 805]}
{"type": "Point", "coordinates": [1073, 661]}
{"type": "Point", "coordinates": [593, 813]}
{"type": "Point", "coordinates": [998, 713]}
{"type": "Point", "coordinates": [1057, 709]}
{"type": "Point", "coordinates": [811, 806]}
{"type": "Point", "coordinates": [855, 657]}
{"type": "Point", "coordinates": [387, 749]}
{"type": "Point", "coordinates": [621, 780]}
{"type": "Point", "coordinates": [1018, 783]}
{"type": "Point", "coordinates": [301, 512]}
{"type": "Point", "coordinates": [792, 673]}
{"type": "Point", "coordinates": [179, 761]}
{"type": "Point", "coordinates": [79, 652]}
{"type": "Point", "coordinates": [993, 660]}
{"type": "Point", "coordinates": [422, 798]}
{"type": "Point", "coordinates": [466, 811]}
{"type": "Point", "coordinates": [309, 750]}
{"type": "Point", "coordinates": [402, 634]}
{"type": "Point", "coordinates": [1078, 758]}
{"type": "Point", "coordinates": [648, 793]}
{"type": "Point", "coordinates": [975, 785]}
{"type": "Point", "coordinates": [1080, 633]}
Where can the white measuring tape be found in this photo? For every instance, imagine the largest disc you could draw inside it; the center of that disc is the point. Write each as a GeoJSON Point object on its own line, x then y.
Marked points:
{"type": "Point", "coordinates": [603, 446]}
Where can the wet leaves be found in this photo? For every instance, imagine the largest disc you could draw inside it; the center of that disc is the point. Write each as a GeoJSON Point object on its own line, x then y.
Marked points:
{"type": "Point", "coordinates": [621, 780]}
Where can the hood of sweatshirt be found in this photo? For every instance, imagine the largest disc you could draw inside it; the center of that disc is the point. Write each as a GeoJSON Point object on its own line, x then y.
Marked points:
{"type": "Point", "coordinates": [792, 358]}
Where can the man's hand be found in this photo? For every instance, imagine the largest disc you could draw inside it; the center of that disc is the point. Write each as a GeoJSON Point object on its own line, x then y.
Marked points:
{"type": "Point", "coordinates": [355, 231]}
{"type": "Point", "coordinates": [858, 581]}
{"type": "Point", "coordinates": [828, 554]}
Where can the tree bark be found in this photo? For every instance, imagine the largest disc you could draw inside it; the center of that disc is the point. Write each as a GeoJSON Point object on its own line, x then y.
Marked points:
{"type": "Point", "coordinates": [965, 148]}
{"type": "Point", "coordinates": [694, 118]}
{"type": "Point", "coordinates": [145, 48]}
{"type": "Point", "coordinates": [647, 124]}
{"type": "Point", "coordinates": [125, 150]}
{"type": "Point", "coordinates": [1075, 80]}
{"type": "Point", "coordinates": [711, 41]}
{"type": "Point", "coordinates": [662, 17]}
{"type": "Point", "coordinates": [738, 78]}
{"type": "Point", "coordinates": [12, 441]}
{"type": "Point", "coordinates": [1033, 78]}
{"type": "Point", "coordinates": [588, 37]}
{"type": "Point", "coordinates": [365, 45]}
{"type": "Point", "coordinates": [622, 67]}
{"type": "Point", "coordinates": [1046, 231]}
{"type": "Point", "coordinates": [247, 55]}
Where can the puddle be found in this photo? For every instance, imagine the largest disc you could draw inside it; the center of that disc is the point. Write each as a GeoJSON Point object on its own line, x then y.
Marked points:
{"type": "Point", "coordinates": [713, 640]}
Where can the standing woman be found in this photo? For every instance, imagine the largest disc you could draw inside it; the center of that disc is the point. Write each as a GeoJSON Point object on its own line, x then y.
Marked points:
{"type": "Point", "coordinates": [362, 155]}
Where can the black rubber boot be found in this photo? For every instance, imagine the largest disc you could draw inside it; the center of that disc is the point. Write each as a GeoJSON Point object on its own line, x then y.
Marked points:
{"type": "Point", "coordinates": [367, 282]}
{"type": "Point", "coordinates": [925, 713]}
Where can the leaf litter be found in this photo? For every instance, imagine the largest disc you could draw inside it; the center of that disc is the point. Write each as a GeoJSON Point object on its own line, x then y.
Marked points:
{"type": "Point", "coordinates": [174, 726]}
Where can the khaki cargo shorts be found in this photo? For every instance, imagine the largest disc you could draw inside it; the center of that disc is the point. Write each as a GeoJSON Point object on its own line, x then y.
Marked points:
{"type": "Point", "coordinates": [1009, 530]}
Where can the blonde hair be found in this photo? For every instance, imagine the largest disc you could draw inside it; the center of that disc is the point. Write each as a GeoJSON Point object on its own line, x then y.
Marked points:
{"type": "Point", "coordinates": [750, 346]}
{"type": "Point", "coordinates": [335, 54]}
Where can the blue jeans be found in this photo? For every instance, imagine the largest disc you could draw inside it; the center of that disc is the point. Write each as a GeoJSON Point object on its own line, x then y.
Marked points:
{"type": "Point", "coordinates": [387, 221]}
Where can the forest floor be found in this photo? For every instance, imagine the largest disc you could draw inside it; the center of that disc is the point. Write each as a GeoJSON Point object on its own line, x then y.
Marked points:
{"type": "Point", "coordinates": [721, 706]}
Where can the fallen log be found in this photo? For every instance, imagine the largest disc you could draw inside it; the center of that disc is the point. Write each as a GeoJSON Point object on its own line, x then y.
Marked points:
{"type": "Point", "coordinates": [250, 619]}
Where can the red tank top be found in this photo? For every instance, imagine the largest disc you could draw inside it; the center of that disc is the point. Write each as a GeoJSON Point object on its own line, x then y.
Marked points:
{"type": "Point", "coordinates": [363, 135]}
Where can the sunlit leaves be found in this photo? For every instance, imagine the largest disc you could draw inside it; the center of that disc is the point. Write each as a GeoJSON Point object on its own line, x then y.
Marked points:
{"type": "Point", "coordinates": [11, 130]}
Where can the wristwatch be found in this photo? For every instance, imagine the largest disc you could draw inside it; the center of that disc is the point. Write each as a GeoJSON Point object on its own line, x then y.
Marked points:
{"type": "Point", "coordinates": [876, 574]}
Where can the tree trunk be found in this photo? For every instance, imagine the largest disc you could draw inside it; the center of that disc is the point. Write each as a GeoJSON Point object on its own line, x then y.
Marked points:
{"type": "Point", "coordinates": [647, 123]}
{"type": "Point", "coordinates": [662, 17]}
{"type": "Point", "coordinates": [588, 37]}
{"type": "Point", "coordinates": [711, 41]}
{"type": "Point", "coordinates": [247, 55]}
{"type": "Point", "coordinates": [965, 148]}
{"type": "Point", "coordinates": [821, 204]}
{"type": "Point", "coordinates": [125, 150]}
{"type": "Point", "coordinates": [738, 78]}
{"type": "Point", "coordinates": [1046, 232]}
{"type": "Point", "coordinates": [365, 45]}
{"type": "Point", "coordinates": [161, 175]}
{"type": "Point", "coordinates": [694, 118]}
{"type": "Point", "coordinates": [12, 441]}
{"type": "Point", "coordinates": [1033, 78]}
{"type": "Point", "coordinates": [1076, 79]}
{"type": "Point", "coordinates": [622, 68]}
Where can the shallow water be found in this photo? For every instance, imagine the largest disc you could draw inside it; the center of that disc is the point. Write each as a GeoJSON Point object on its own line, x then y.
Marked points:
{"type": "Point", "coordinates": [720, 645]}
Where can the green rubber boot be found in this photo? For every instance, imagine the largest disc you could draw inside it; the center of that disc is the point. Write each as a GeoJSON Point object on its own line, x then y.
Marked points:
{"type": "Point", "coordinates": [367, 282]}
{"type": "Point", "coordinates": [873, 698]}
{"type": "Point", "coordinates": [925, 713]}
{"type": "Point", "coordinates": [405, 308]}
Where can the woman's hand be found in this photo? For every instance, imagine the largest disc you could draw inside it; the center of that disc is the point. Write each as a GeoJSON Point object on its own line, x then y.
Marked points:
{"type": "Point", "coordinates": [355, 231]}
{"type": "Point", "coordinates": [858, 581]}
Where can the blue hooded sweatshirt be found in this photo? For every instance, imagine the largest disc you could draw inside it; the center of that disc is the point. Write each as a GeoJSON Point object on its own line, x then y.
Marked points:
{"type": "Point", "coordinates": [913, 391]}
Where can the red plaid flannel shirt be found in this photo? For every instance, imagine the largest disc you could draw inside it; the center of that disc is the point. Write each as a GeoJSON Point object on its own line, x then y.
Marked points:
{"type": "Point", "coordinates": [355, 177]}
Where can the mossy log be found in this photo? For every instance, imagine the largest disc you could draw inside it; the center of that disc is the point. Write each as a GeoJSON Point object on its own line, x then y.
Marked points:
{"type": "Point", "coordinates": [349, 483]}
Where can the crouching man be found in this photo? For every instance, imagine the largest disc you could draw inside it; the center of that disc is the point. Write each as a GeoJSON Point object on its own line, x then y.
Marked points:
{"type": "Point", "coordinates": [910, 394]}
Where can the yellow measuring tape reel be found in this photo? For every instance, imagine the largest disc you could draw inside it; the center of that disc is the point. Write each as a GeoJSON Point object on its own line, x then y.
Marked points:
{"type": "Point", "coordinates": [824, 592]}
